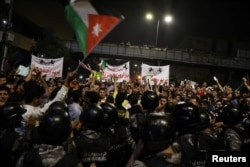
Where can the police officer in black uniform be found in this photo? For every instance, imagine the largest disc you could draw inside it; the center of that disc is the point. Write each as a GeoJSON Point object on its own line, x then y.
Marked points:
{"type": "Point", "coordinates": [133, 101]}
{"type": "Point", "coordinates": [160, 143]}
{"type": "Point", "coordinates": [209, 139]}
{"type": "Point", "coordinates": [160, 146]}
{"type": "Point", "coordinates": [12, 145]}
{"type": "Point", "coordinates": [235, 135]}
{"type": "Point", "coordinates": [90, 97]}
{"type": "Point", "coordinates": [54, 129]}
{"type": "Point", "coordinates": [121, 141]}
{"type": "Point", "coordinates": [186, 116]}
{"type": "Point", "coordinates": [246, 127]}
{"type": "Point", "coordinates": [122, 111]}
{"type": "Point", "coordinates": [35, 138]}
{"type": "Point", "coordinates": [149, 102]}
{"type": "Point", "coordinates": [91, 144]}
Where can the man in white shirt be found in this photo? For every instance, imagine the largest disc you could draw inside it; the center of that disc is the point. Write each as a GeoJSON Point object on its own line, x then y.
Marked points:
{"type": "Point", "coordinates": [33, 94]}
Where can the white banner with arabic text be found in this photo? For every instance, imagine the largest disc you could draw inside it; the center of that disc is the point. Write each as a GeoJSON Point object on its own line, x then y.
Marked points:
{"type": "Point", "coordinates": [121, 71]}
{"type": "Point", "coordinates": [158, 73]}
{"type": "Point", "coordinates": [50, 67]}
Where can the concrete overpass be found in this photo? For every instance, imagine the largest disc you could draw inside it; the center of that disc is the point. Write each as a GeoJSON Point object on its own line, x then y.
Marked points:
{"type": "Point", "coordinates": [162, 54]}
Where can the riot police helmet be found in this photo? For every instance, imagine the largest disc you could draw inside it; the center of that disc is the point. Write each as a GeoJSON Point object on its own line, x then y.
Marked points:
{"type": "Point", "coordinates": [55, 126]}
{"type": "Point", "coordinates": [92, 117]}
{"type": "Point", "coordinates": [149, 101]}
{"type": "Point", "coordinates": [232, 114]}
{"type": "Point", "coordinates": [133, 98]}
{"type": "Point", "coordinates": [111, 114]}
{"type": "Point", "coordinates": [186, 116]}
{"type": "Point", "coordinates": [11, 115]}
{"type": "Point", "coordinates": [204, 121]}
{"type": "Point", "coordinates": [160, 133]}
{"type": "Point", "coordinates": [58, 105]}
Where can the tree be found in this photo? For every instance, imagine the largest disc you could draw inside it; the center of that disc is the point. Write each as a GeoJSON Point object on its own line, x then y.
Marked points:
{"type": "Point", "coordinates": [52, 47]}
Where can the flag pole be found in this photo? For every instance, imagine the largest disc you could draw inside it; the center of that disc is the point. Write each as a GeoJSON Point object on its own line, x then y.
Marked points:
{"type": "Point", "coordinates": [79, 64]}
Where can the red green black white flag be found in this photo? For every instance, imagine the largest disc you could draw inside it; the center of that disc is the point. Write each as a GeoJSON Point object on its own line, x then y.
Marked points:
{"type": "Point", "coordinates": [90, 24]}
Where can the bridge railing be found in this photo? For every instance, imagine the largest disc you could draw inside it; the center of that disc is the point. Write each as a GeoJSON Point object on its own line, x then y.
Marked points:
{"type": "Point", "coordinates": [164, 54]}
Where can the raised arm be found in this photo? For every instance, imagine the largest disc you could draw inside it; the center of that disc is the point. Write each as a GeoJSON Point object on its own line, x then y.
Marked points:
{"type": "Point", "coordinates": [29, 76]}
{"type": "Point", "coordinates": [69, 76]}
{"type": "Point", "coordinates": [115, 83]}
{"type": "Point", "coordinates": [218, 83]}
{"type": "Point", "coordinates": [245, 82]}
{"type": "Point", "coordinates": [42, 80]}
{"type": "Point", "coordinates": [156, 86]}
{"type": "Point", "coordinates": [92, 79]}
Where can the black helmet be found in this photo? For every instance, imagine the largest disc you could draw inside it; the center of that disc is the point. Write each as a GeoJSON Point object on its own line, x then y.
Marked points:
{"type": "Point", "coordinates": [204, 121]}
{"type": "Point", "coordinates": [11, 115]}
{"type": "Point", "coordinates": [133, 98]}
{"type": "Point", "coordinates": [149, 101]}
{"type": "Point", "coordinates": [246, 124]}
{"type": "Point", "coordinates": [92, 117]}
{"type": "Point", "coordinates": [58, 105]}
{"type": "Point", "coordinates": [91, 97]}
{"type": "Point", "coordinates": [55, 127]}
{"type": "Point", "coordinates": [111, 114]}
{"type": "Point", "coordinates": [186, 116]}
{"type": "Point", "coordinates": [120, 97]}
{"type": "Point", "coordinates": [160, 133]}
{"type": "Point", "coordinates": [232, 114]}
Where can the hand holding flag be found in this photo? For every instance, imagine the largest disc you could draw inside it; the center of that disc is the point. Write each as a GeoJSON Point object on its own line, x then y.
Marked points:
{"type": "Point", "coordinates": [85, 66]}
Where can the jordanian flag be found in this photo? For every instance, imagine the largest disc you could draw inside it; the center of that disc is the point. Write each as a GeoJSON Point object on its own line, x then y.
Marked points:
{"type": "Point", "coordinates": [90, 24]}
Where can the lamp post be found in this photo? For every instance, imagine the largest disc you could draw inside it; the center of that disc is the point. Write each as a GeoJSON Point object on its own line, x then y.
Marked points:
{"type": "Point", "coordinates": [137, 71]}
{"type": "Point", "coordinates": [7, 25]}
{"type": "Point", "coordinates": [167, 19]}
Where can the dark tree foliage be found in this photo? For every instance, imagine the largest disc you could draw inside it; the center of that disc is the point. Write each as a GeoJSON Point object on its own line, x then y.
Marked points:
{"type": "Point", "coordinates": [51, 46]}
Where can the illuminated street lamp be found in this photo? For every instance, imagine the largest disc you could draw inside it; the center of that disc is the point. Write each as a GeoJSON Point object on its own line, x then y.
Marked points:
{"type": "Point", "coordinates": [167, 19]}
{"type": "Point", "coordinates": [137, 71]}
{"type": "Point", "coordinates": [6, 24]}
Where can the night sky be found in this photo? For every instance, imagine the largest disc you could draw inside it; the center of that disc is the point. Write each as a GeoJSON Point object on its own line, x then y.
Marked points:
{"type": "Point", "coordinates": [218, 19]}
{"type": "Point", "coordinates": [223, 19]}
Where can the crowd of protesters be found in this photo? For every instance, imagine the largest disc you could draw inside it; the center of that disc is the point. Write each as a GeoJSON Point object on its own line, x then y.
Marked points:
{"type": "Point", "coordinates": [62, 122]}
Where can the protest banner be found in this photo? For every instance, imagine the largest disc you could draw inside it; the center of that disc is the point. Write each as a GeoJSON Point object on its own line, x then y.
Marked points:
{"type": "Point", "coordinates": [158, 73]}
{"type": "Point", "coordinates": [50, 67]}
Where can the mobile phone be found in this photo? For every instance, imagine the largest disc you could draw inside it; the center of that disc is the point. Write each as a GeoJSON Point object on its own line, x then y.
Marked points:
{"type": "Point", "coordinates": [215, 78]}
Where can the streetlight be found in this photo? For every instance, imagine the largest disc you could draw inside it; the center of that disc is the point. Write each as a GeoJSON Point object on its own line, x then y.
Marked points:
{"type": "Point", "coordinates": [137, 72]}
{"type": "Point", "coordinates": [167, 19]}
{"type": "Point", "coordinates": [7, 25]}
